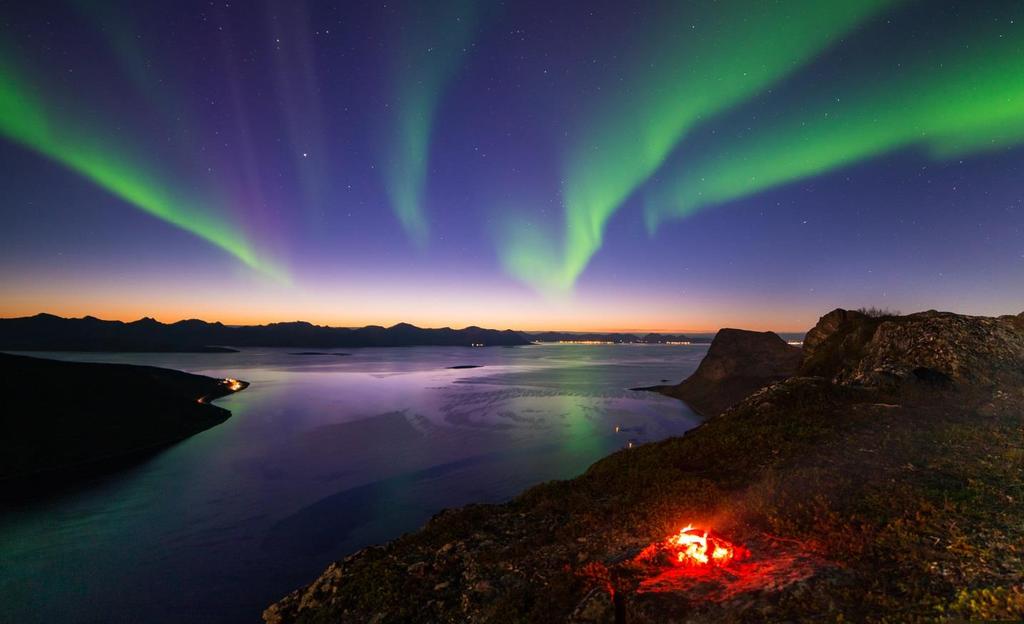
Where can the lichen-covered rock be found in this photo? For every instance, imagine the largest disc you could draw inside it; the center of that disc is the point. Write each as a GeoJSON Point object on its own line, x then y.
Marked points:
{"type": "Point", "coordinates": [826, 326]}
{"type": "Point", "coordinates": [932, 348]}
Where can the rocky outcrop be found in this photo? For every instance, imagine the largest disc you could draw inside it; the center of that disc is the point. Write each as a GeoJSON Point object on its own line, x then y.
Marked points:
{"type": "Point", "coordinates": [737, 363]}
{"type": "Point", "coordinates": [930, 348]}
{"type": "Point", "coordinates": [826, 326]}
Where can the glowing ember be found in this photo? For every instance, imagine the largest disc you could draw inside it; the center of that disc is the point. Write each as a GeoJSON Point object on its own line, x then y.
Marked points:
{"type": "Point", "coordinates": [698, 548]}
{"type": "Point", "coordinates": [704, 567]}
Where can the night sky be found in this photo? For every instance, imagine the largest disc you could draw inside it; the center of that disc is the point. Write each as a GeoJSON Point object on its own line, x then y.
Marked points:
{"type": "Point", "coordinates": [535, 165]}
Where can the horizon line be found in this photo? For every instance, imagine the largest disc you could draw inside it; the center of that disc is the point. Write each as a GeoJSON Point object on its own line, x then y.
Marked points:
{"type": "Point", "coordinates": [329, 326]}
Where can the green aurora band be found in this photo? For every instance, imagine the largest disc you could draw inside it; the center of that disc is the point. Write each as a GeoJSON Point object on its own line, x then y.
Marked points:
{"type": "Point", "coordinates": [26, 121]}
{"type": "Point", "coordinates": [430, 55]}
{"type": "Point", "coordinates": [683, 77]}
{"type": "Point", "coordinates": [966, 99]}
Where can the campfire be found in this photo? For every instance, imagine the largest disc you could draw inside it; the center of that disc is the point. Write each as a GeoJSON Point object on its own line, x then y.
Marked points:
{"type": "Point", "coordinates": [703, 566]}
{"type": "Point", "coordinates": [699, 548]}
{"type": "Point", "coordinates": [695, 550]}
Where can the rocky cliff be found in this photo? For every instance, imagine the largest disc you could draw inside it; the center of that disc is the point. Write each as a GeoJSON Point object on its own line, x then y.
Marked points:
{"type": "Point", "coordinates": [882, 483]}
{"type": "Point", "coordinates": [738, 362]}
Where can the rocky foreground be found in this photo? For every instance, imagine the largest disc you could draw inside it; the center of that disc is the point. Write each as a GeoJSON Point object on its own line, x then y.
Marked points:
{"type": "Point", "coordinates": [884, 481]}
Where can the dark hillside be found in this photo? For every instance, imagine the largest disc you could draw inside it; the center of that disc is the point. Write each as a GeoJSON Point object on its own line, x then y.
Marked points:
{"type": "Point", "coordinates": [60, 419]}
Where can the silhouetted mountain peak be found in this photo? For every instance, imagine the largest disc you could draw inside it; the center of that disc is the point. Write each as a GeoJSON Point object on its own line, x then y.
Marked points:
{"type": "Point", "coordinates": [194, 323]}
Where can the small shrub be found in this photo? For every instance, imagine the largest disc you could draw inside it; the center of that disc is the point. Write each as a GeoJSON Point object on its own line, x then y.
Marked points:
{"type": "Point", "coordinates": [874, 312]}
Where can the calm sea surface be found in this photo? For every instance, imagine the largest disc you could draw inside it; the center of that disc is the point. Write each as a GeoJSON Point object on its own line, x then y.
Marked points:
{"type": "Point", "coordinates": [322, 455]}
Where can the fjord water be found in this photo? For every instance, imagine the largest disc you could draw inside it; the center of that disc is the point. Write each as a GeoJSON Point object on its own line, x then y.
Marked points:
{"type": "Point", "coordinates": [323, 454]}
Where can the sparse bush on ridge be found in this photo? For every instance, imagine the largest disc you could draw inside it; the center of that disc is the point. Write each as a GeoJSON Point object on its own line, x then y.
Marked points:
{"type": "Point", "coordinates": [878, 313]}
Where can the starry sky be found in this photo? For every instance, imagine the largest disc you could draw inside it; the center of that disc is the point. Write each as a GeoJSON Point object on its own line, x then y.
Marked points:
{"type": "Point", "coordinates": [536, 165]}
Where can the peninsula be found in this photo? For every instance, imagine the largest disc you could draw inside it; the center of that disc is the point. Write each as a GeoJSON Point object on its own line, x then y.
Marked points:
{"type": "Point", "coordinates": [63, 420]}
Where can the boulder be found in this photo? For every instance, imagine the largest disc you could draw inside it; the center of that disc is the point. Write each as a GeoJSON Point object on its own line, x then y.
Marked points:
{"type": "Point", "coordinates": [827, 325]}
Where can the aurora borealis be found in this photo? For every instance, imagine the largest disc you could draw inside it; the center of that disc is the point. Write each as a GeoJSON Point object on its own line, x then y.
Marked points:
{"type": "Point", "coordinates": [964, 95]}
{"type": "Point", "coordinates": [531, 165]}
{"type": "Point", "coordinates": [24, 119]}
{"type": "Point", "coordinates": [677, 81]}
{"type": "Point", "coordinates": [426, 56]}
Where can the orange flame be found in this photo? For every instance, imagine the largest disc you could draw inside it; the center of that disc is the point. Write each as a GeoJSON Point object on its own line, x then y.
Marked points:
{"type": "Point", "coordinates": [695, 548]}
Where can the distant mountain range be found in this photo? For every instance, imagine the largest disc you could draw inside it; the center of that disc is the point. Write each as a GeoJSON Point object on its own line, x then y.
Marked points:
{"type": "Point", "coordinates": [614, 338]}
{"type": "Point", "coordinates": [46, 332]}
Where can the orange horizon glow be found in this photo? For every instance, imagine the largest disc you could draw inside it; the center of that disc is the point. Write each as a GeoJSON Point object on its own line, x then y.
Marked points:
{"type": "Point", "coordinates": [135, 313]}
{"type": "Point", "coordinates": [355, 302]}
{"type": "Point", "coordinates": [352, 302]}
